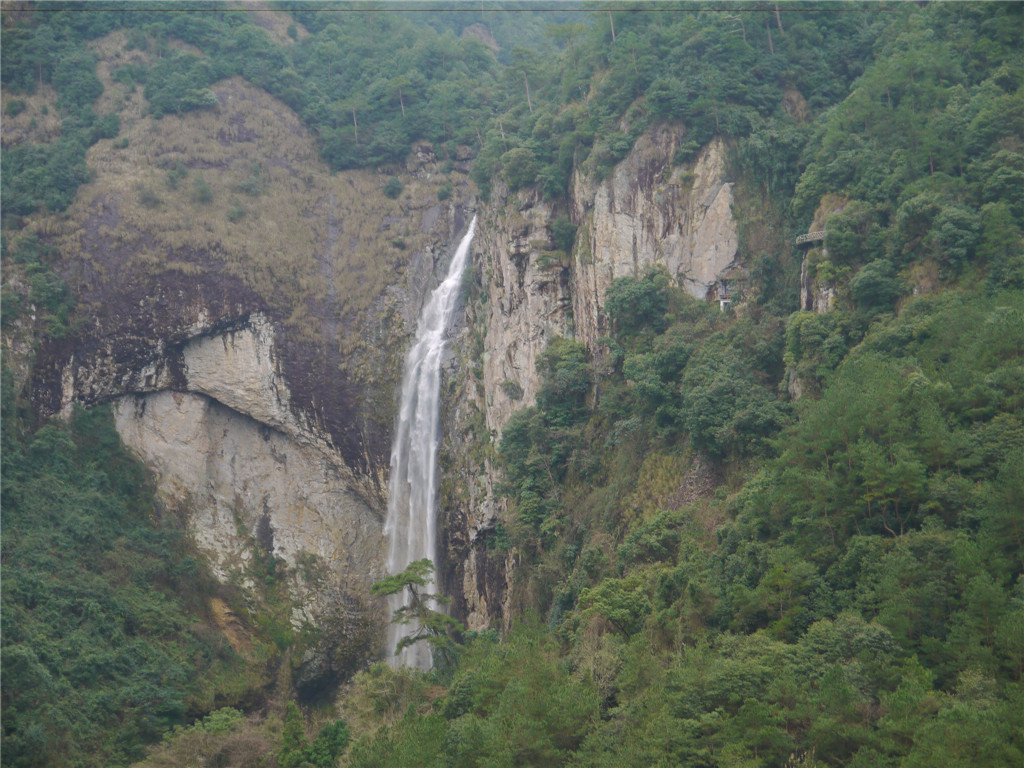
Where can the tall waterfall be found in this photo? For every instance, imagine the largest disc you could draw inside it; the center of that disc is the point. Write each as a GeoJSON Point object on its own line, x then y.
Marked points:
{"type": "Point", "coordinates": [412, 509]}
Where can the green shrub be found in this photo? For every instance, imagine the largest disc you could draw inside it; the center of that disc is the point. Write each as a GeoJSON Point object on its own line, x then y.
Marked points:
{"type": "Point", "coordinates": [15, 107]}
{"type": "Point", "coordinates": [563, 233]}
{"type": "Point", "coordinates": [148, 198]}
{"type": "Point", "coordinates": [202, 192]}
{"type": "Point", "coordinates": [175, 174]}
{"type": "Point", "coordinates": [393, 188]}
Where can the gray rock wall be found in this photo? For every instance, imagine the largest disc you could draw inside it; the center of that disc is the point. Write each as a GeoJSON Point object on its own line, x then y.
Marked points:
{"type": "Point", "coordinates": [649, 212]}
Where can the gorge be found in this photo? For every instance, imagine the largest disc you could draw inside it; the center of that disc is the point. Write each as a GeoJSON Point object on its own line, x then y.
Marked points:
{"type": "Point", "coordinates": [685, 346]}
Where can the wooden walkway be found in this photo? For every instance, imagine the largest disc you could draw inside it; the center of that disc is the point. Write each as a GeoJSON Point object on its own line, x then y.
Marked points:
{"type": "Point", "coordinates": [811, 237]}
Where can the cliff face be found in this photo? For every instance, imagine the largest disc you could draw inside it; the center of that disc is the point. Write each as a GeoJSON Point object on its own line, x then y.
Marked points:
{"type": "Point", "coordinates": [229, 452]}
{"type": "Point", "coordinates": [517, 301]}
{"type": "Point", "coordinates": [652, 213]}
{"type": "Point", "coordinates": [252, 342]}
{"type": "Point", "coordinates": [649, 212]}
{"type": "Point", "coordinates": [247, 311]}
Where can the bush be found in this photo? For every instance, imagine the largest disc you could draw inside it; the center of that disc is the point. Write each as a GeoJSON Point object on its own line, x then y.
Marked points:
{"type": "Point", "coordinates": [636, 305]}
{"type": "Point", "coordinates": [203, 193]}
{"type": "Point", "coordinates": [565, 383]}
{"type": "Point", "coordinates": [563, 233]}
{"type": "Point", "coordinates": [393, 188]}
{"type": "Point", "coordinates": [147, 197]}
{"type": "Point", "coordinates": [15, 107]}
{"type": "Point", "coordinates": [106, 127]}
{"type": "Point", "coordinates": [175, 174]}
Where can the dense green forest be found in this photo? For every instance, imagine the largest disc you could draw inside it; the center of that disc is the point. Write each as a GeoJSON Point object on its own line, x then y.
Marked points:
{"type": "Point", "coordinates": [845, 586]}
{"type": "Point", "coordinates": [102, 647]}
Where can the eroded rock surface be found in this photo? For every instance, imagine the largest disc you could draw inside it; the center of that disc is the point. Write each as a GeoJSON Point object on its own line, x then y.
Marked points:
{"type": "Point", "coordinates": [649, 212]}
{"type": "Point", "coordinates": [652, 213]}
{"type": "Point", "coordinates": [243, 483]}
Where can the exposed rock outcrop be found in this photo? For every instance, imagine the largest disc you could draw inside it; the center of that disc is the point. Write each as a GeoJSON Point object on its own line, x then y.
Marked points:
{"type": "Point", "coordinates": [251, 474]}
{"type": "Point", "coordinates": [652, 213]}
{"type": "Point", "coordinates": [649, 212]}
{"type": "Point", "coordinates": [246, 488]}
{"type": "Point", "coordinates": [529, 303]}
{"type": "Point", "coordinates": [817, 293]}
{"type": "Point", "coordinates": [251, 338]}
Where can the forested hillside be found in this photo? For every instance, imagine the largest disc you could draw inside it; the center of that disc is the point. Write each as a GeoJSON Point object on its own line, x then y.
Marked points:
{"type": "Point", "coordinates": [788, 531]}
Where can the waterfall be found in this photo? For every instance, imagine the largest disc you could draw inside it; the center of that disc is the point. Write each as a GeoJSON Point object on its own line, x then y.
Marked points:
{"type": "Point", "coordinates": [412, 508]}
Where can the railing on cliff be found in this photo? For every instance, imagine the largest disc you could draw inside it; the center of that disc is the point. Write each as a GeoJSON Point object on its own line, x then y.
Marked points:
{"type": "Point", "coordinates": [811, 237]}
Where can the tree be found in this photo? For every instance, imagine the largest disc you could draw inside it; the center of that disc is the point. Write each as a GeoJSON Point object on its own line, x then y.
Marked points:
{"type": "Point", "coordinates": [956, 232]}
{"type": "Point", "coordinates": [1001, 246]}
{"type": "Point", "coordinates": [622, 602]}
{"type": "Point", "coordinates": [635, 304]}
{"type": "Point", "coordinates": [875, 287]}
{"type": "Point", "coordinates": [293, 739]}
{"type": "Point", "coordinates": [524, 61]}
{"type": "Point", "coordinates": [725, 410]}
{"type": "Point", "coordinates": [565, 382]}
{"type": "Point", "coordinates": [567, 33]}
{"type": "Point", "coordinates": [519, 167]}
{"type": "Point", "coordinates": [357, 102]}
{"type": "Point", "coordinates": [396, 85]}
{"type": "Point", "coordinates": [438, 629]}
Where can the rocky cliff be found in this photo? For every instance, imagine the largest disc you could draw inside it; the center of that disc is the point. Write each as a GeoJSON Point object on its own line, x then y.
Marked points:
{"type": "Point", "coordinates": [246, 312]}
{"type": "Point", "coordinates": [650, 212]}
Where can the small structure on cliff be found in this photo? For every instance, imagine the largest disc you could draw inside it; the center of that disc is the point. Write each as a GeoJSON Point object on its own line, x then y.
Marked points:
{"type": "Point", "coordinates": [728, 285]}
{"type": "Point", "coordinates": [811, 237]}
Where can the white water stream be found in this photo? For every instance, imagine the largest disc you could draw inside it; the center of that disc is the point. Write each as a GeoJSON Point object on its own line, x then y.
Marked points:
{"type": "Point", "coordinates": [412, 507]}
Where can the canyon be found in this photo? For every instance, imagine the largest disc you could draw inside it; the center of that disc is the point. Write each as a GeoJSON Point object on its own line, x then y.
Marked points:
{"type": "Point", "coordinates": [267, 434]}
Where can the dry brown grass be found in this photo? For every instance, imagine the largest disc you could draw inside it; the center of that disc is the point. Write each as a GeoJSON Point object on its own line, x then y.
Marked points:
{"type": "Point", "coordinates": [379, 697]}
{"type": "Point", "coordinates": [310, 238]}
{"type": "Point", "coordinates": [275, 22]}
{"type": "Point", "coordinates": [125, 100]}
{"type": "Point", "coordinates": [250, 743]}
{"type": "Point", "coordinates": [658, 481]}
{"type": "Point", "coordinates": [38, 123]}
{"type": "Point", "coordinates": [230, 626]}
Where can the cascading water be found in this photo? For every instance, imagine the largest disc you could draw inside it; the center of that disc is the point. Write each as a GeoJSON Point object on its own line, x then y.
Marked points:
{"type": "Point", "coordinates": [412, 509]}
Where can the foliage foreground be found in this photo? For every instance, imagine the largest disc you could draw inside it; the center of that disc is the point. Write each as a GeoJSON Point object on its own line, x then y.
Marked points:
{"type": "Point", "coordinates": [857, 599]}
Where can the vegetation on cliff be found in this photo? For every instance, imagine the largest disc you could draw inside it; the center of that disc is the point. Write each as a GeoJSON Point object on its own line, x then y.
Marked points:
{"type": "Point", "coordinates": [720, 574]}
{"type": "Point", "coordinates": [850, 593]}
{"type": "Point", "coordinates": [108, 635]}
{"type": "Point", "coordinates": [755, 537]}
